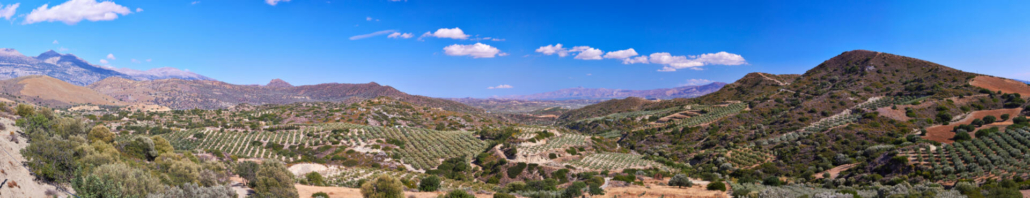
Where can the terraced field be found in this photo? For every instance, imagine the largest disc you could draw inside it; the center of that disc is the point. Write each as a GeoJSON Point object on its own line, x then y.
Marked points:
{"type": "Point", "coordinates": [422, 148]}
{"type": "Point", "coordinates": [615, 161]}
{"type": "Point", "coordinates": [998, 155]}
{"type": "Point", "coordinates": [351, 177]}
{"type": "Point", "coordinates": [241, 144]}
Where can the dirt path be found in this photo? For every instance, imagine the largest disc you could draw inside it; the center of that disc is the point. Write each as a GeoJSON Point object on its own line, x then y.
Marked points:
{"type": "Point", "coordinates": [658, 189]}
{"type": "Point", "coordinates": [835, 171]}
{"type": "Point", "coordinates": [13, 170]}
{"type": "Point", "coordinates": [306, 191]}
{"type": "Point", "coordinates": [773, 79]}
{"type": "Point", "coordinates": [943, 133]}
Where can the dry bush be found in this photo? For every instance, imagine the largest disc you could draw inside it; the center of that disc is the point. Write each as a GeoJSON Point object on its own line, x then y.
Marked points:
{"type": "Point", "coordinates": [12, 184]}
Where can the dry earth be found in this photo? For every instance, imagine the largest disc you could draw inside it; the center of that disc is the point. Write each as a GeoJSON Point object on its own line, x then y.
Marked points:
{"type": "Point", "coordinates": [48, 88]}
{"type": "Point", "coordinates": [344, 192]}
{"type": "Point", "coordinates": [658, 189]}
{"type": "Point", "coordinates": [943, 133]}
{"type": "Point", "coordinates": [1001, 84]}
{"type": "Point", "coordinates": [13, 170]}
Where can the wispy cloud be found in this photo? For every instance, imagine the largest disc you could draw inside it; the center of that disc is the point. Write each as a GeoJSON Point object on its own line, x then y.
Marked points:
{"type": "Point", "coordinates": [110, 56]}
{"type": "Point", "coordinates": [7, 11]}
{"type": "Point", "coordinates": [400, 35]}
{"type": "Point", "coordinates": [73, 11]}
{"type": "Point", "coordinates": [194, 2]}
{"type": "Point", "coordinates": [694, 82]}
{"type": "Point", "coordinates": [629, 56]}
{"type": "Point", "coordinates": [503, 86]}
{"type": "Point", "coordinates": [55, 42]}
{"type": "Point", "coordinates": [364, 36]}
{"type": "Point", "coordinates": [275, 2]}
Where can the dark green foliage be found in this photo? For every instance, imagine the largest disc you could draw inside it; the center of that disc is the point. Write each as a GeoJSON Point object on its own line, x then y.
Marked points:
{"type": "Point", "coordinates": [194, 191]}
{"type": "Point", "coordinates": [772, 181]}
{"type": "Point", "coordinates": [95, 187]}
{"type": "Point", "coordinates": [962, 136]}
{"type": "Point", "coordinates": [574, 190]}
{"type": "Point", "coordinates": [140, 147]}
{"type": "Point", "coordinates": [320, 195]}
{"type": "Point", "coordinates": [383, 186]}
{"type": "Point", "coordinates": [629, 178]}
{"type": "Point", "coordinates": [247, 170]}
{"type": "Point", "coordinates": [199, 135]}
{"type": "Point", "coordinates": [503, 195]}
{"type": "Point", "coordinates": [429, 184]}
{"type": "Point", "coordinates": [274, 180]}
{"type": "Point", "coordinates": [315, 179]}
{"type": "Point", "coordinates": [680, 180]}
{"type": "Point", "coordinates": [986, 132]}
{"type": "Point", "coordinates": [716, 185]}
{"type": "Point", "coordinates": [458, 194]}
{"type": "Point", "coordinates": [454, 168]}
{"type": "Point", "coordinates": [561, 175]}
{"type": "Point", "coordinates": [547, 184]}
{"type": "Point", "coordinates": [514, 171]}
{"type": "Point", "coordinates": [52, 158]}
{"type": "Point", "coordinates": [990, 119]}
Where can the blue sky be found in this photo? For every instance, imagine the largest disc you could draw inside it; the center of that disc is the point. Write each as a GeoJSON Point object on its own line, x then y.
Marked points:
{"type": "Point", "coordinates": [310, 42]}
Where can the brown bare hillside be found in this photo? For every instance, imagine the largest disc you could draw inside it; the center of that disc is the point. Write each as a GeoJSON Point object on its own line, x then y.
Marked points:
{"type": "Point", "coordinates": [1001, 84]}
{"type": "Point", "coordinates": [50, 91]}
{"type": "Point", "coordinates": [209, 94]}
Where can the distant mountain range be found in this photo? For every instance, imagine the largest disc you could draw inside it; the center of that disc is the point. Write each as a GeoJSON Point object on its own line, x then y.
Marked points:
{"type": "Point", "coordinates": [603, 93]}
{"type": "Point", "coordinates": [72, 69]}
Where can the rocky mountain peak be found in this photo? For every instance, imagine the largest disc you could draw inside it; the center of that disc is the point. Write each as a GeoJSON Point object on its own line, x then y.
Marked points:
{"type": "Point", "coordinates": [278, 83]}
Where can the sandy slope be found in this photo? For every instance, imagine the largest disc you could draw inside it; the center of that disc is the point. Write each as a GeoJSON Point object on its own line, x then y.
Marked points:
{"type": "Point", "coordinates": [13, 170]}
{"type": "Point", "coordinates": [1001, 84]}
{"type": "Point", "coordinates": [48, 88]}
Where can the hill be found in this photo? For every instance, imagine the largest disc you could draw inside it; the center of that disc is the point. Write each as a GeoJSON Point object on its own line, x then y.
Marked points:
{"type": "Point", "coordinates": [210, 94]}
{"type": "Point", "coordinates": [52, 92]}
{"type": "Point", "coordinates": [75, 70]}
{"type": "Point", "coordinates": [840, 107]}
{"type": "Point", "coordinates": [603, 93]}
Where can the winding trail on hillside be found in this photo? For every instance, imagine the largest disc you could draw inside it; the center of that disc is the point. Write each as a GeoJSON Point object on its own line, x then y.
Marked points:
{"type": "Point", "coordinates": [773, 79]}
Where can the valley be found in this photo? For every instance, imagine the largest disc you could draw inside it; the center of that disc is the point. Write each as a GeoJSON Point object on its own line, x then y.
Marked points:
{"type": "Point", "coordinates": [863, 123]}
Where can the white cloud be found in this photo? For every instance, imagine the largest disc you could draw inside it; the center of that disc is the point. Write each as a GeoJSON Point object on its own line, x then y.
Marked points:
{"type": "Point", "coordinates": [139, 9]}
{"type": "Point", "coordinates": [73, 11]}
{"type": "Point", "coordinates": [504, 86]}
{"type": "Point", "coordinates": [62, 49]}
{"type": "Point", "coordinates": [275, 2]}
{"type": "Point", "coordinates": [621, 54]}
{"type": "Point", "coordinates": [148, 60]}
{"type": "Point", "coordinates": [673, 63]}
{"type": "Point", "coordinates": [370, 19]}
{"type": "Point", "coordinates": [364, 36]}
{"type": "Point", "coordinates": [695, 82]}
{"type": "Point", "coordinates": [194, 2]}
{"type": "Point", "coordinates": [135, 61]}
{"type": "Point", "coordinates": [7, 12]}
{"type": "Point", "coordinates": [110, 56]}
{"type": "Point", "coordinates": [453, 33]}
{"type": "Point", "coordinates": [587, 53]}
{"type": "Point", "coordinates": [478, 50]}
{"type": "Point", "coordinates": [635, 60]}
{"type": "Point", "coordinates": [55, 42]}
{"type": "Point", "coordinates": [502, 54]}
{"type": "Point", "coordinates": [103, 61]}
{"type": "Point", "coordinates": [553, 49]}
{"type": "Point", "coordinates": [400, 35]}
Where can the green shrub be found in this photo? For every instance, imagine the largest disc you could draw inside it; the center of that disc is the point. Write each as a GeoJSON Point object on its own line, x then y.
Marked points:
{"type": "Point", "coordinates": [680, 180]}
{"type": "Point", "coordinates": [429, 184]}
{"type": "Point", "coordinates": [100, 133]}
{"type": "Point", "coordinates": [503, 195]}
{"type": "Point", "coordinates": [514, 171]}
{"type": "Point", "coordinates": [315, 179]}
{"type": "Point", "coordinates": [383, 187]}
{"type": "Point", "coordinates": [716, 185]}
{"type": "Point", "coordinates": [274, 180]}
{"type": "Point", "coordinates": [458, 194]}
{"type": "Point", "coordinates": [320, 195]}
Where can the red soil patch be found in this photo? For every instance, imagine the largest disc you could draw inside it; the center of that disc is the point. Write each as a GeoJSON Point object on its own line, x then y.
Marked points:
{"type": "Point", "coordinates": [943, 133]}
{"type": "Point", "coordinates": [1001, 84]}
